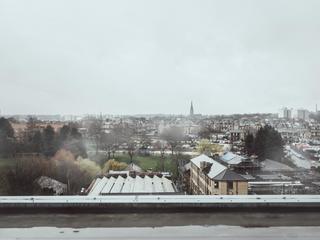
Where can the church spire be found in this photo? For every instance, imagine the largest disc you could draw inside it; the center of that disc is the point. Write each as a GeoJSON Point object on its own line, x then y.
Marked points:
{"type": "Point", "coordinates": [191, 109]}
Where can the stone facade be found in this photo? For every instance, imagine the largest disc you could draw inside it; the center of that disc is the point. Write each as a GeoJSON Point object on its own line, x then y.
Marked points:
{"type": "Point", "coordinates": [228, 184]}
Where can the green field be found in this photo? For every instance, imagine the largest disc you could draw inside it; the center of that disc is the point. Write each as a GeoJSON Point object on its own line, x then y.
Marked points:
{"type": "Point", "coordinates": [149, 162]}
{"type": "Point", "coordinates": [6, 162]}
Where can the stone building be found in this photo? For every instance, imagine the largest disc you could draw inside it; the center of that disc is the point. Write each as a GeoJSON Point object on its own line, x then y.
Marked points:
{"type": "Point", "coordinates": [209, 177]}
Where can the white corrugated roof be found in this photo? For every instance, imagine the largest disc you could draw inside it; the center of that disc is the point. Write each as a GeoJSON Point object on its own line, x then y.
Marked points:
{"type": "Point", "coordinates": [95, 184]}
{"type": "Point", "coordinates": [128, 185]}
{"type": "Point", "coordinates": [132, 185]}
{"type": "Point", "coordinates": [157, 184]}
{"type": "Point", "coordinates": [106, 189]}
{"type": "Point", "coordinates": [148, 184]}
{"type": "Point", "coordinates": [167, 184]}
{"type": "Point", "coordinates": [138, 185]}
{"type": "Point", "coordinates": [118, 184]}
{"type": "Point", "coordinates": [96, 191]}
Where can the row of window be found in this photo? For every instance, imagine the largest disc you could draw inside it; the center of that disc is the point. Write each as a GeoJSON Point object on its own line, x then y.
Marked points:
{"type": "Point", "coordinates": [200, 182]}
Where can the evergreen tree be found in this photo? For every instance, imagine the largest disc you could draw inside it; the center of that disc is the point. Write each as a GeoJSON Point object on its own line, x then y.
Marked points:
{"type": "Point", "coordinates": [71, 139]}
{"type": "Point", "coordinates": [49, 147]}
{"type": "Point", "coordinates": [37, 142]}
{"type": "Point", "coordinates": [249, 144]}
{"type": "Point", "coordinates": [6, 138]}
{"type": "Point", "coordinates": [268, 144]}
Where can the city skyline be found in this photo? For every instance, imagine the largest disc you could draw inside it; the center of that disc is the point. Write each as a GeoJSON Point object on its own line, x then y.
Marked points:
{"type": "Point", "coordinates": [186, 113]}
{"type": "Point", "coordinates": [142, 115]}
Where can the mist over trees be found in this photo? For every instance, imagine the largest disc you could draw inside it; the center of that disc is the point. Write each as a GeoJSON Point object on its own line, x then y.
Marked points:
{"type": "Point", "coordinates": [70, 138]}
{"type": "Point", "coordinates": [42, 141]}
{"type": "Point", "coordinates": [20, 179]}
{"type": "Point", "coordinates": [43, 151]}
{"type": "Point", "coordinates": [35, 148]}
{"type": "Point", "coordinates": [95, 132]}
{"type": "Point", "coordinates": [173, 136]}
{"type": "Point", "coordinates": [267, 144]}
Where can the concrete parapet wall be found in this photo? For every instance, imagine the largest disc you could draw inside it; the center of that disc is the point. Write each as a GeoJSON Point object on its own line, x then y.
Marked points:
{"type": "Point", "coordinates": [160, 203]}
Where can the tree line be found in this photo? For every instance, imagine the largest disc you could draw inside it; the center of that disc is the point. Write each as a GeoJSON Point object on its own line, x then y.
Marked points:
{"type": "Point", "coordinates": [267, 143]}
{"type": "Point", "coordinates": [43, 141]}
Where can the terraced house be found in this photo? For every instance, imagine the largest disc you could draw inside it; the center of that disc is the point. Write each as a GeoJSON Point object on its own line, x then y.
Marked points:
{"type": "Point", "coordinates": [209, 177]}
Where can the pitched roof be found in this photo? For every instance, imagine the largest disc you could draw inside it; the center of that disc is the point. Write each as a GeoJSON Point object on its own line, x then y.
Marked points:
{"type": "Point", "coordinates": [231, 158]}
{"type": "Point", "coordinates": [132, 185]}
{"type": "Point", "coordinates": [201, 158]}
{"type": "Point", "coordinates": [273, 166]}
{"type": "Point", "coordinates": [216, 168]}
{"type": "Point", "coordinates": [228, 175]}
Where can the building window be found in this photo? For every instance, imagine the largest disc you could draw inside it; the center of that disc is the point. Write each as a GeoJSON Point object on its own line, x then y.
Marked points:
{"type": "Point", "coordinates": [216, 184]}
{"type": "Point", "coordinates": [230, 185]}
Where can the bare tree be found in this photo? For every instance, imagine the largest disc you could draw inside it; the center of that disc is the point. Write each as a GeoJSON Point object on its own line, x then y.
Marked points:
{"type": "Point", "coordinates": [131, 150]}
{"type": "Point", "coordinates": [208, 129]}
{"type": "Point", "coordinates": [173, 136]}
{"type": "Point", "coordinates": [161, 147]}
{"type": "Point", "coordinates": [108, 142]}
{"type": "Point", "coordinates": [95, 132]}
{"type": "Point", "coordinates": [145, 143]}
{"type": "Point", "coordinates": [162, 152]}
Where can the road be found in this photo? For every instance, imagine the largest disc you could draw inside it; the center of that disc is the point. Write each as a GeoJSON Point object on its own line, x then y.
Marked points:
{"type": "Point", "coordinates": [298, 159]}
{"type": "Point", "coordinates": [186, 232]}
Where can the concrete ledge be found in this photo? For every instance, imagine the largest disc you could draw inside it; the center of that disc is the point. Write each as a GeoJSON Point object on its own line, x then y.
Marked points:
{"type": "Point", "coordinates": [160, 203]}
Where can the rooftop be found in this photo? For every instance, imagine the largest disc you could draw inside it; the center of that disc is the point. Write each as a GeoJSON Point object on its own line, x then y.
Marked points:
{"type": "Point", "coordinates": [217, 171]}
{"type": "Point", "coordinates": [273, 166]}
{"type": "Point", "coordinates": [232, 158]}
{"type": "Point", "coordinates": [216, 168]}
{"type": "Point", "coordinates": [228, 175]}
{"type": "Point", "coordinates": [132, 185]}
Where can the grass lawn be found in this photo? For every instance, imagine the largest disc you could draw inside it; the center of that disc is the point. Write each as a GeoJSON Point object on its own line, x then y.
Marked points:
{"type": "Point", "coordinates": [6, 162]}
{"type": "Point", "coordinates": [149, 162]}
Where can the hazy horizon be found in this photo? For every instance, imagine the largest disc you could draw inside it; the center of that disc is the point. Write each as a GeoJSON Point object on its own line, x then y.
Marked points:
{"type": "Point", "coordinates": [135, 114]}
{"type": "Point", "coordinates": [146, 57]}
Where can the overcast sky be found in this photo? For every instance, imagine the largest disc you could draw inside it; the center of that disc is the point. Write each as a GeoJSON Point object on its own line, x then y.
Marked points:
{"type": "Point", "coordinates": [130, 57]}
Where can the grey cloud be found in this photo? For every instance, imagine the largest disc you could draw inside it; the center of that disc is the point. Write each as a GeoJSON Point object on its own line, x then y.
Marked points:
{"type": "Point", "coordinates": [129, 57]}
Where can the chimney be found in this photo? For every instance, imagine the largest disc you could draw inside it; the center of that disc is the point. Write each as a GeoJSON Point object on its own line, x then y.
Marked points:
{"type": "Point", "coordinates": [203, 165]}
